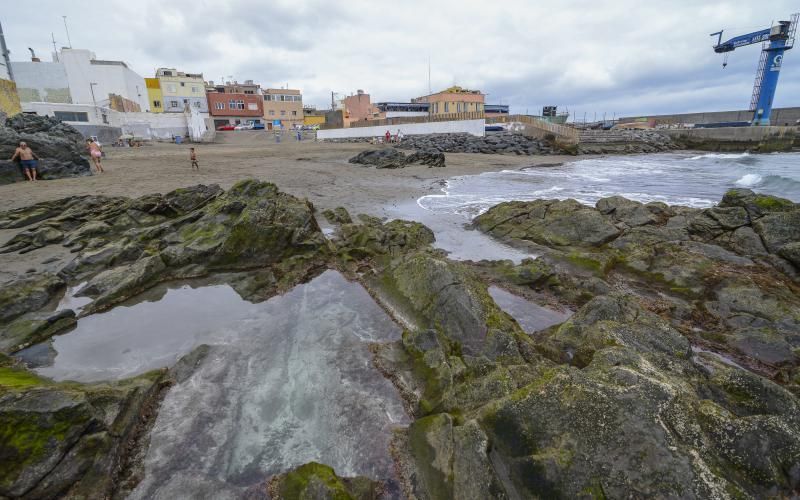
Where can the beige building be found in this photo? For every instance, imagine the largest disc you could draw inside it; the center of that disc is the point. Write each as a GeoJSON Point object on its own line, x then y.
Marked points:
{"type": "Point", "coordinates": [283, 107]}
{"type": "Point", "coordinates": [453, 100]}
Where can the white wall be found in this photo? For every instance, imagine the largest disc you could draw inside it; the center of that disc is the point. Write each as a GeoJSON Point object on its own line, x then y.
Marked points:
{"type": "Point", "coordinates": [145, 125]}
{"type": "Point", "coordinates": [474, 127]}
{"type": "Point", "coordinates": [47, 80]}
{"type": "Point", "coordinates": [110, 79]}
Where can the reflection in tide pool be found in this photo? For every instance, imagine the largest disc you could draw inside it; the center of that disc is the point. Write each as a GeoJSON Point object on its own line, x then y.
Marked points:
{"type": "Point", "coordinates": [531, 317]}
{"type": "Point", "coordinates": [286, 381]}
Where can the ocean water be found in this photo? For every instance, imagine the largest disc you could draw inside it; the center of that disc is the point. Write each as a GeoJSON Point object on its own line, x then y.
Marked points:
{"type": "Point", "coordinates": [695, 180]}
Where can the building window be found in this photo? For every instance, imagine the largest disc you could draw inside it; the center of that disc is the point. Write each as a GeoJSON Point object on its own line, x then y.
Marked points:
{"type": "Point", "coordinates": [156, 104]}
{"type": "Point", "coordinates": [173, 104]}
{"type": "Point", "coordinates": [194, 89]}
{"type": "Point", "coordinates": [240, 104]}
{"type": "Point", "coordinates": [271, 112]}
{"type": "Point", "coordinates": [249, 92]}
{"type": "Point", "coordinates": [283, 113]}
{"type": "Point", "coordinates": [219, 105]}
{"type": "Point", "coordinates": [183, 84]}
{"type": "Point", "coordinates": [446, 107]}
{"type": "Point", "coordinates": [294, 113]}
{"type": "Point", "coordinates": [267, 97]}
{"type": "Point", "coordinates": [196, 104]}
{"type": "Point", "coordinates": [251, 106]}
{"type": "Point", "coordinates": [71, 116]}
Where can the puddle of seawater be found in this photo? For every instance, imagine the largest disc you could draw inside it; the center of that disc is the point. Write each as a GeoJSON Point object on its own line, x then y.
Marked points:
{"type": "Point", "coordinates": [451, 235]}
{"type": "Point", "coordinates": [286, 381]}
{"type": "Point", "coordinates": [531, 317]}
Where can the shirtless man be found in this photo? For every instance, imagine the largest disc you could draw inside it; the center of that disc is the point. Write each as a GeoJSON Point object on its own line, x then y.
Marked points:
{"type": "Point", "coordinates": [96, 154]}
{"type": "Point", "coordinates": [28, 160]}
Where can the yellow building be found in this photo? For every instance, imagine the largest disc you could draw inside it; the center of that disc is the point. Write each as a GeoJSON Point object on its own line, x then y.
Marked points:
{"type": "Point", "coordinates": [453, 100]}
{"type": "Point", "coordinates": [313, 117]}
{"type": "Point", "coordinates": [9, 99]}
{"type": "Point", "coordinates": [180, 90]}
{"type": "Point", "coordinates": [154, 95]}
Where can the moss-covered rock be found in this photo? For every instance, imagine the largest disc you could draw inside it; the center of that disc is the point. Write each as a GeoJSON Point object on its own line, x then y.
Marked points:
{"type": "Point", "coordinates": [315, 481]}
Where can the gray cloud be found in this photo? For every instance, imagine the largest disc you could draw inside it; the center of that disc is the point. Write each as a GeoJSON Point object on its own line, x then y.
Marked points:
{"type": "Point", "coordinates": [622, 56]}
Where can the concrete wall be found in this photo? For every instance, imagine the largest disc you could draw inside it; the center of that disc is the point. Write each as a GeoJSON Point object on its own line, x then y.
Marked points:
{"type": "Point", "coordinates": [761, 139]}
{"type": "Point", "coordinates": [41, 82]}
{"type": "Point", "coordinates": [403, 114]}
{"type": "Point", "coordinates": [779, 116]}
{"type": "Point", "coordinates": [474, 127]}
{"type": "Point", "coordinates": [145, 125]}
{"type": "Point", "coordinates": [9, 101]}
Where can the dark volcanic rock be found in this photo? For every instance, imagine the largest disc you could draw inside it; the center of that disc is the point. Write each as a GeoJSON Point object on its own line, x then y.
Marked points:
{"type": "Point", "coordinates": [392, 158]}
{"type": "Point", "coordinates": [60, 148]}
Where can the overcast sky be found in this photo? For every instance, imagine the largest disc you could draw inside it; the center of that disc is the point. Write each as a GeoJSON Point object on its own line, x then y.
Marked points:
{"type": "Point", "coordinates": [624, 56]}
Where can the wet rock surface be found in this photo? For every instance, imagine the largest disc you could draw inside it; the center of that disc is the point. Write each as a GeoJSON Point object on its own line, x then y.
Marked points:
{"type": "Point", "coordinates": [61, 148]}
{"type": "Point", "coordinates": [676, 376]}
{"type": "Point", "coordinates": [392, 158]}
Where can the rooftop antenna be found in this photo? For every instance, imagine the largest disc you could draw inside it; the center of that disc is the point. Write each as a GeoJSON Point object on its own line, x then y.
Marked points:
{"type": "Point", "coordinates": [55, 50]}
{"type": "Point", "coordinates": [69, 41]}
{"type": "Point", "coordinates": [429, 75]}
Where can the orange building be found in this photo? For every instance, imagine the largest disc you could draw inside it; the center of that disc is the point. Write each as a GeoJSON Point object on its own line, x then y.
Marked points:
{"type": "Point", "coordinates": [453, 100]}
{"type": "Point", "coordinates": [358, 108]}
{"type": "Point", "coordinates": [283, 106]}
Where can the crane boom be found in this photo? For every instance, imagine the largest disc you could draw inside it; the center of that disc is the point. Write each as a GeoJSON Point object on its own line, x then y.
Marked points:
{"type": "Point", "coordinates": [776, 40]}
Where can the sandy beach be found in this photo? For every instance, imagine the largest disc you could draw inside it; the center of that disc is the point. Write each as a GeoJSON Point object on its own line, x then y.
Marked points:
{"type": "Point", "coordinates": [308, 169]}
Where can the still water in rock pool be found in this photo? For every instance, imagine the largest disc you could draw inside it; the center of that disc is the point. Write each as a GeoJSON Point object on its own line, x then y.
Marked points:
{"type": "Point", "coordinates": [286, 381]}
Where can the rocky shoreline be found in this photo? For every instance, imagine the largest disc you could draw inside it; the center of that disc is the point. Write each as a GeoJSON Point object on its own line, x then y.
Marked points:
{"type": "Point", "coordinates": [677, 375]}
{"type": "Point", "coordinates": [592, 142]}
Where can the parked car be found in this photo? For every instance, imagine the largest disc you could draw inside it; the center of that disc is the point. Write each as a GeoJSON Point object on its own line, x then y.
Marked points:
{"type": "Point", "coordinates": [258, 126]}
{"type": "Point", "coordinates": [226, 127]}
{"type": "Point", "coordinates": [244, 126]}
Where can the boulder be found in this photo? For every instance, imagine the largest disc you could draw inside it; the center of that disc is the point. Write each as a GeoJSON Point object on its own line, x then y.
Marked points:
{"type": "Point", "coordinates": [548, 222]}
{"type": "Point", "coordinates": [60, 147]}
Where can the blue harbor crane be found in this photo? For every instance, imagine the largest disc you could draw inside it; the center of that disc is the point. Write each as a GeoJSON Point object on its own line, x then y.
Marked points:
{"type": "Point", "coordinates": [775, 41]}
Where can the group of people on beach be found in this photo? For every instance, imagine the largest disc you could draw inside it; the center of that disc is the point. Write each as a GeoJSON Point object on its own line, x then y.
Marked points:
{"type": "Point", "coordinates": [30, 162]}
{"type": "Point", "coordinates": [396, 138]}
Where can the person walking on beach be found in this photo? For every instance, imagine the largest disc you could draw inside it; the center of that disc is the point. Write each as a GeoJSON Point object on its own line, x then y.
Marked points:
{"type": "Point", "coordinates": [28, 160]}
{"type": "Point", "coordinates": [96, 154]}
{"type": "Point", "coordinates": [398, 136]}
{"type": "Point", "coordinates": [193, 157]}
{"type": "Point", "coordinates": [388, 137]}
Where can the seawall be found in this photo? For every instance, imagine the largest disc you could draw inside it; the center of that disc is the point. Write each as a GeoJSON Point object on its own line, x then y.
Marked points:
{"type": "Point", "coordinates": [736, 139]}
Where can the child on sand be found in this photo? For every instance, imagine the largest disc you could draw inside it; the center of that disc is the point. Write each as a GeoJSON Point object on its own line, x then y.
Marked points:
{"type": "Point", "coordinates": [193, 157]}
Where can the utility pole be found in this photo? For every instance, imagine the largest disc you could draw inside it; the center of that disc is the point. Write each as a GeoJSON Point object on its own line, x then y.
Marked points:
{"type": "Point", "coordinates": [69, 41]}
{"type": "Point", "coordinates": [4, 53]}
{"type": "Point", "coordinates": [429, 75]}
